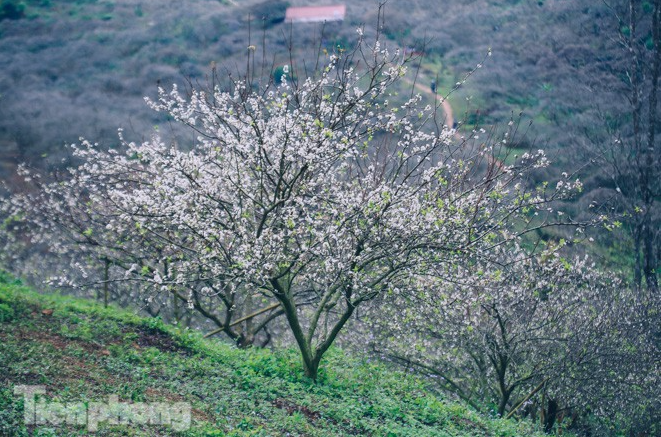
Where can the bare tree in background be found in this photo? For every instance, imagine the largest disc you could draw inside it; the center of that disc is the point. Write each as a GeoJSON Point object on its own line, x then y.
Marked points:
{"type": "Point", "coordinates": [629, 151]}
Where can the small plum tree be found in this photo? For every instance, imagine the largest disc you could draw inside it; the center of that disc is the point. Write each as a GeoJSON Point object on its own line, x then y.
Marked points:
{"type": "Point", "coordinates": [493, 335]}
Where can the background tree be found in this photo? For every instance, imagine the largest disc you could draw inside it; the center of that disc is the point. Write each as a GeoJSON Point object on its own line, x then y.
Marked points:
{"type": "Point", "coordinates": [57, 233]}
{"type": "Point", "coordinates": [542, 336]}
{"type": "Point", "coordinates": [620, 130]}
{"type": "Point", "coordinates": [495, 334]}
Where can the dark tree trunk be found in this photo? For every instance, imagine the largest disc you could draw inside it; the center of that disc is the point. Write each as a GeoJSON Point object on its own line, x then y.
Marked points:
{"type": "Point", "coordinates": [637, 267]}
{"type": "Point", "coordinates": [649, 268]}
{"type": "Point", "coordinates": [650, 155]}
{"type": "Point", "coordinates": [550, 416]}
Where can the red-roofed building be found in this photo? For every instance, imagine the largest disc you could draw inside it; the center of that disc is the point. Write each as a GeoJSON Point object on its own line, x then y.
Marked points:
{"type": "Point", "coordinates": [315, 14]}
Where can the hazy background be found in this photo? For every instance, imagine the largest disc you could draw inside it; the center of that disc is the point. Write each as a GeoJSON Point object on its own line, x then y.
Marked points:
{"type": "Point", "coordinates": [72, 68]}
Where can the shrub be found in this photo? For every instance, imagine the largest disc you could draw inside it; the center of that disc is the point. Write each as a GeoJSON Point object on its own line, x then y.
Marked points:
{"type": "Point", "coordinates": [12, 10]}
{"type": "Point", "coordinates": [6, 313]}
{"type": "Point", "coordinates": [272, 12]}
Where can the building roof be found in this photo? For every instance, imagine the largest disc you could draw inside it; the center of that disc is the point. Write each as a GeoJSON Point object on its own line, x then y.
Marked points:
{"type": "Point", "coordinates": [313, 14]}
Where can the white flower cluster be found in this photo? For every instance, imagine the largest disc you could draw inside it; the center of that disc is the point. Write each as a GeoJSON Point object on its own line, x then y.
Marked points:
{"type": "Point", "coordinates": [320, 193]}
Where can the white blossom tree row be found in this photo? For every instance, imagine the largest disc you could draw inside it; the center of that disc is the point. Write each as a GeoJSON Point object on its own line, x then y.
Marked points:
{"type": "Point", "coordinates": [312, 197]}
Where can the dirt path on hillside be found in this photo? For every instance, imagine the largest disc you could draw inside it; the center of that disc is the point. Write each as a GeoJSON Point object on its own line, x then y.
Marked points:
{"type": "Point", "coordinates": [447, 109]}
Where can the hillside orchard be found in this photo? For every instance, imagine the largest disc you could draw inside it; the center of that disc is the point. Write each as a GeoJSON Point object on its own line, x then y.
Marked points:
{"type": "Point", "coordinates": [316, 198]}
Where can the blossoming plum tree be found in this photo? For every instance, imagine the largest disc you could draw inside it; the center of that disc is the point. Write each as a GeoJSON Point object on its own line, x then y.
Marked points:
{"type": "Point", "coordinates": [495, 334]}
{"type": "Point", "coordinates": [317, 194]}
{"type": "Point", "coordinates": [124, 264]}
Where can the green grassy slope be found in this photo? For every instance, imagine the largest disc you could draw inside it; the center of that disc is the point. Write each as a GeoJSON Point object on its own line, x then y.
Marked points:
{"type": "Point", "coordinates": [83, 353]}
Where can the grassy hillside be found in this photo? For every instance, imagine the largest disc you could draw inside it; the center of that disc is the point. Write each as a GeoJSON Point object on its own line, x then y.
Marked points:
{"type": "Point", "coordinates": [83, 352]}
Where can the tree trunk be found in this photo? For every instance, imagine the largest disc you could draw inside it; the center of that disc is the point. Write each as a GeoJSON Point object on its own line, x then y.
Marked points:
{"type": "Point", "coordinates": [311, 357]}
{"type": "Point", "coordinates": [291, 315]}
{"type": "Point", "coordinates": [248, 333]}
{"type": "Point", "coordinates": [550, 416]}
{"type": "Point", "coordinates": [106, 277]}
{"type": "Point", "coordinates": [649, 268]}
{"type": "Point", "coordinates": [637, 267]}
{"type": "Point", "coordinates": [175, 308]}
{"type": "Point", "coordinates": [312, 368]}
{"type": "Point", "coordinates": [502, 405]}
{"type": "Point", "coordinates": [648, 249]}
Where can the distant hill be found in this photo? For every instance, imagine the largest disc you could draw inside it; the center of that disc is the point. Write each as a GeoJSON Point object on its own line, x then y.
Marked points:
{"type": "Point", "coordinates": [76, 68]}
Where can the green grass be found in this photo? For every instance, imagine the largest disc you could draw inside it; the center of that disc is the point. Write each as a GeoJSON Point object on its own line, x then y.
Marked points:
{"type": "Point", "coordinates": [83, 352]}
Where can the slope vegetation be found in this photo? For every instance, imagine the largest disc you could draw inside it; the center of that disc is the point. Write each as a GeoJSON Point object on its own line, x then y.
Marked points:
{"type": "Point", "coordinates": [82, 352]}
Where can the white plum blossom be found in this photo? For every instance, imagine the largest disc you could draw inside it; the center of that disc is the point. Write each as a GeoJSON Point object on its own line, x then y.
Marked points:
{"type": "Point", "coordinates": [491, 334]}
{"type": "Point", "coordinates": [311, 198]}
